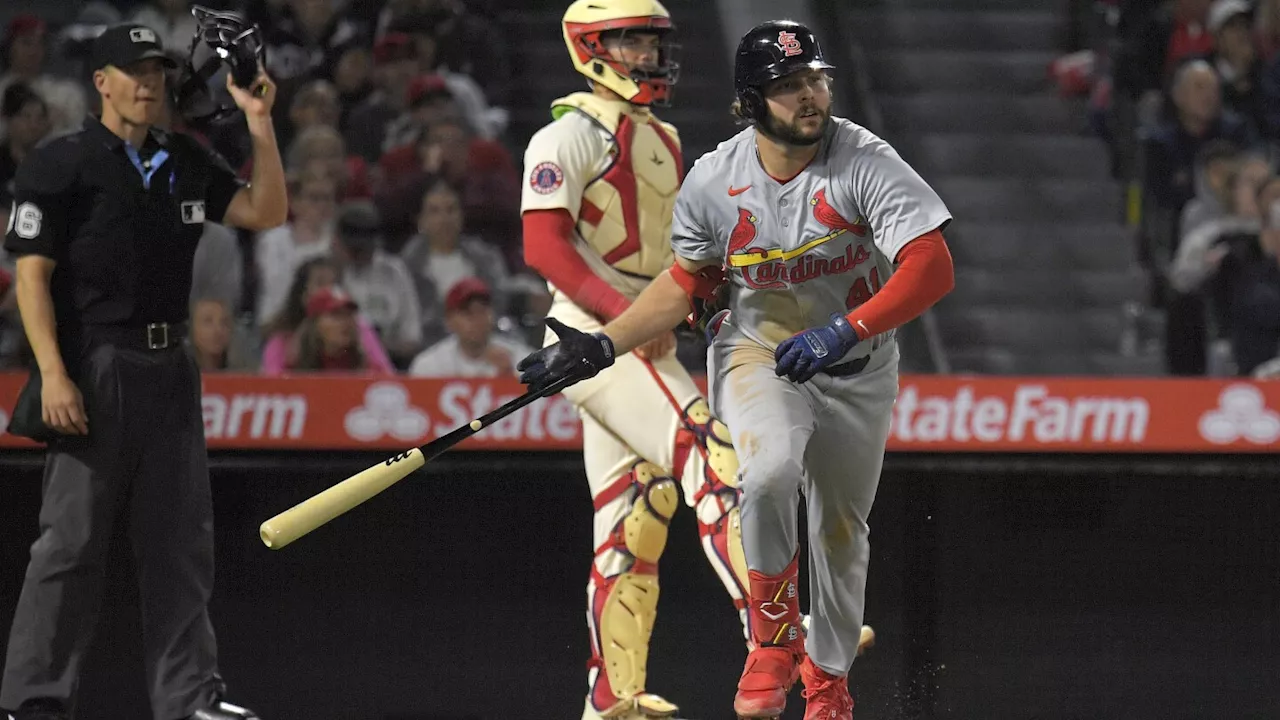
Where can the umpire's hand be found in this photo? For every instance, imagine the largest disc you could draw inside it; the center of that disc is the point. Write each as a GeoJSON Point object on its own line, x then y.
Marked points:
{"type": "Point", "coordinates": [61, 406]}
{"type": "Point", "coordinates": [577, 356]}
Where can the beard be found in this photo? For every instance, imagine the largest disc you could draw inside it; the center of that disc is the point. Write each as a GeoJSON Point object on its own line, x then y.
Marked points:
{"type": "Point", "coordinates": [791, 134]}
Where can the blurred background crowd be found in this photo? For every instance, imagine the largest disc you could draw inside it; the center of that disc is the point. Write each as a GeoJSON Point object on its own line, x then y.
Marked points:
{"type": "Point", "coordinates": [1186, 94]}
{"type": "Point", "coordinates": [402, 251]}
{"type": "Point", "coordinates": [402, 124]}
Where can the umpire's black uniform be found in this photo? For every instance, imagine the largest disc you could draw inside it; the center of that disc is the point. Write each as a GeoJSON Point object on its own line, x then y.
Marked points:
{"type": "Point", "coordinates": [122, 224]}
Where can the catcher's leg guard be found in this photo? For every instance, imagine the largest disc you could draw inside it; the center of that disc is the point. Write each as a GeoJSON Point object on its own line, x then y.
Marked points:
{"type": "Point", "coordinates": [773, 665]}
{"type": "Point", "coordinates": [624, 594]}
{"type": "Point", "coordinates": [705, 448]}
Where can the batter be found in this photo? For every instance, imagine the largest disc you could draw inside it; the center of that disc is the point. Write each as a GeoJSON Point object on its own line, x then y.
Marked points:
{"type": "Point", "coordinates": [824, 241]}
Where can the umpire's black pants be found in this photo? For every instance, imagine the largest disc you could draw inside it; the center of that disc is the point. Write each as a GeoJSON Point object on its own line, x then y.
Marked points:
{"type": "Point", "coordinates": [143, 463]}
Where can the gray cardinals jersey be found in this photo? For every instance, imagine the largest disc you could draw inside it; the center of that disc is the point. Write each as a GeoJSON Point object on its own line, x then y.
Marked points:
{"type": "Point", "coordinates": [820, 243]}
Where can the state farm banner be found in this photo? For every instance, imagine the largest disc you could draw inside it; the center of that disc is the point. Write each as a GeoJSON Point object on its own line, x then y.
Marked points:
{"type": "Point", "coordinates": [933, 414]}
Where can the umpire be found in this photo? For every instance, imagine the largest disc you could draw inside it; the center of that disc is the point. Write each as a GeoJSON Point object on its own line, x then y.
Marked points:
{"type": "Point", "coordinates": [105, 229]}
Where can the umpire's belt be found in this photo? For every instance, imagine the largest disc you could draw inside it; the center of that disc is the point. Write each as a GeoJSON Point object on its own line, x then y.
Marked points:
{"type": "Point", "coordinates": [853, 367]}
{"type": "Point", "coordinates": [152, 336]}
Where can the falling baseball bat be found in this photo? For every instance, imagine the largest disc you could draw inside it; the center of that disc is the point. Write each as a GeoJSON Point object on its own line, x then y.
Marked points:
{"type": "Point", "coordinates": [323, 507]}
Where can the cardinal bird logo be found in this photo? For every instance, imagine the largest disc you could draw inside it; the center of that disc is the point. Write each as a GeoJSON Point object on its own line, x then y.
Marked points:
{"type": "Point", "coordinates": [827, 215]}
{"type": "Point", "coordinates": [743, 233]}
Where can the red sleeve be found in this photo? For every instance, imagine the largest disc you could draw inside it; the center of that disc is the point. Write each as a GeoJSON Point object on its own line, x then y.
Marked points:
{"type": "Point", "coordinates": [924, 275]}
{"type": "Point", "coordinates": [549, 251]}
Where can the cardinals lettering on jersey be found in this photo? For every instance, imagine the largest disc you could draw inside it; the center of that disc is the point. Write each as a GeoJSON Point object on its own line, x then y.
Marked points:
{"type": "Point", "coordinates": [763, 268]}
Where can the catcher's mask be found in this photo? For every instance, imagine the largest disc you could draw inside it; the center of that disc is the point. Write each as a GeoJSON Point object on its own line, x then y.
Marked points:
{"type": "Point", "coordinates": [220, 37]}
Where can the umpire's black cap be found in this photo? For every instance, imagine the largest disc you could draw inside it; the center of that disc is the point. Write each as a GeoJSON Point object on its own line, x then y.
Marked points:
{"type": "Point", "coordinates": [127, 43]}
{"type": "Point", "coordinates": [769, 51]}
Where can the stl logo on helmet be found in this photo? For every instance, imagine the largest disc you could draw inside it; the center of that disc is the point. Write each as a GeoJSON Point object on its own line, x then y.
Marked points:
{"type": "Point", "coordinates": [790, 44]}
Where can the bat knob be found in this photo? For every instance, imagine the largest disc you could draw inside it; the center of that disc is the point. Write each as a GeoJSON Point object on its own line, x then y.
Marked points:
{"type": "Point", "coordinates": [268, 536]}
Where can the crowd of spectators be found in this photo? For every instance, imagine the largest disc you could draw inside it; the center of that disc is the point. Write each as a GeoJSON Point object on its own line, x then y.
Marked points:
{"type": "Point", "coordinates": [401, 252]}
{"type": "Point", "coordinates": [1187, 96]}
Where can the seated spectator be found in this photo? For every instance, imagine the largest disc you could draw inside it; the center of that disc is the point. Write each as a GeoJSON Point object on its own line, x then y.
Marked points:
{"type": "Point", "coordinates": [1266, 28]}
{"type": "Point", "coordinates": [314, 104]}
{"type": "Point", "coordinates": [459, 30]}
{"type": "Point", "coordinates": [439, 255]}
{"type": "Point", "coordinates": [379, 281]}
{"type": "Point", "coordinates": [472, 349]}
{"type": "Point", "coordinates": [1238, 62]}
{"type": "Point", "coordinates": [171, 19]}
{"type": "Point", "coordinates": [25, 118]}
{"type": "Point", "coordinates": [328, 339]}
{"type": "Point", "coordinates": [321, 148]}
{"type": "Point", "coordinates": [1247, 284]}
{"type": "Point", "coordinates": [298, 42]}
{"type": "Point", "coordinates": [395, 65]}
{"type": "Point", "coordinates": [1171, 150]}
{"type": "Point", "coordinates": [1224, 179]}
{"type": "Point", "coordinates": [22, 58]}
{"type": "Point", "coordinates": [349, 67]}
{"type": "Point", "coordinates": [486, 121]}
{"type": "Point", "coordinates": [482, 171]}
{"type": "Point", "coordinates": [218, 267]}
{"type": "Point", "coordinates": [429, 101]}
{"type": "Point", "coordinates": [1171, 153]}
{"type": "Point", "coordinates": [1159, 41]}
{"type": "Point", "coordinates": [214, 342]}
{"type": "Point", "coordinates": [1218, 168]}
{"type": "Point", "coordinates": [279, 252]}
{"type": "Point", "coordinates": [282, 342]}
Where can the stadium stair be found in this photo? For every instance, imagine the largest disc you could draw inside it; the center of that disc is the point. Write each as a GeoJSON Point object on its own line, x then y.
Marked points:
{"type": "Point", "coordinates": [1043, 262]}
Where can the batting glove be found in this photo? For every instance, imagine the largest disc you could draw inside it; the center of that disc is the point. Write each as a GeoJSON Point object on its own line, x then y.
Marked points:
{"type": "Point", "coordinates": [578, 356]}
{"type": "Point", "coordinates": [802, 356]}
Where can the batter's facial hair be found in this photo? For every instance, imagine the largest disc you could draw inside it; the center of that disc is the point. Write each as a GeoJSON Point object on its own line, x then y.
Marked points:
{"type": "Point", "coordinates": [791, 133]}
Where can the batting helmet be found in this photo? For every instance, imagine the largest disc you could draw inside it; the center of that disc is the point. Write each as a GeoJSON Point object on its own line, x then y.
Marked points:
{"type": "Point", "coordinates": [767, 52]}
{"type": "Point", "coordinates": [587, 21]}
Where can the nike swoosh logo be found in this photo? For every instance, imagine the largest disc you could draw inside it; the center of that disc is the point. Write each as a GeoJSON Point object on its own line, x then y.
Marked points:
{"type": "Point", "coordinates": [734, 192]}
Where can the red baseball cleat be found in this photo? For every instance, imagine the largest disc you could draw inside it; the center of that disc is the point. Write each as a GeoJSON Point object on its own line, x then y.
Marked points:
{"type": "Point", "coordinates": [826, 696]}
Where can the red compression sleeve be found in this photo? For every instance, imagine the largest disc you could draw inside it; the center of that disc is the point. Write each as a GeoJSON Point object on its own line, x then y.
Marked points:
{"type": "Point", "coordinates": [550, 252]}
{"type": "Point", "coordinates": [924, 275]}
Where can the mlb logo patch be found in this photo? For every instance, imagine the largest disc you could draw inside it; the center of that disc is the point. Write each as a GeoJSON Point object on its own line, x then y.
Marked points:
{"type": "Point", "coordinates": [142, 35]}
{"type": "Point", "coordinates": [193, 212]}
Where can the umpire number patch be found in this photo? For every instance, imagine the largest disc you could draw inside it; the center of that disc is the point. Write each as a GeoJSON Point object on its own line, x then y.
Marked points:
{"type": "Point", "coordinates": [25, 221]}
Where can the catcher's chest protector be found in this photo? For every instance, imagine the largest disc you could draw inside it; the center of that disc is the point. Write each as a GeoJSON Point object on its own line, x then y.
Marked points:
{"type": "Point", "coordinates": [626, 212]}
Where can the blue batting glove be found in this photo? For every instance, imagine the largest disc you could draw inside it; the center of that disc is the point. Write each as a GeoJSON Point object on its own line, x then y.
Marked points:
{"type": "Point", "coordinates": [802, 356]}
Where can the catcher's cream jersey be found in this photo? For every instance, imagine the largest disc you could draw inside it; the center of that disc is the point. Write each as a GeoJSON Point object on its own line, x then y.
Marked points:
{"type": "Point", "coordinates": [617, 169]}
